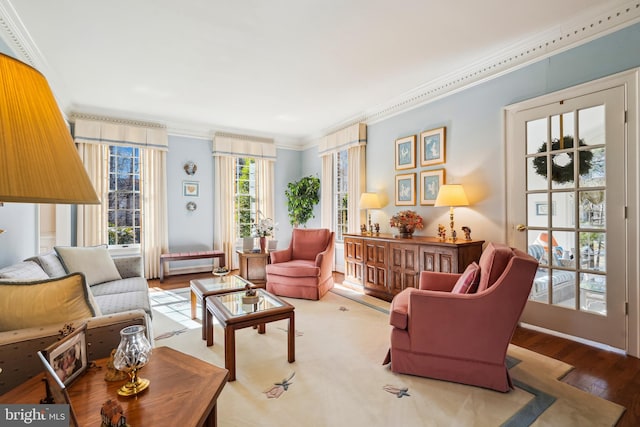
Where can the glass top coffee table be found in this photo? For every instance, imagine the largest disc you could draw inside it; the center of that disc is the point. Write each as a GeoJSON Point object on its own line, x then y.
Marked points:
{"type": "Point", "coordinates": [203, 288]}
{"type": "Point", "coordinates": [233, 314]}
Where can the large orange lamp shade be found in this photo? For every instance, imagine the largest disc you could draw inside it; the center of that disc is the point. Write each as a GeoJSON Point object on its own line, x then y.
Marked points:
{"type": "Point", "coordinates": [38, 159]}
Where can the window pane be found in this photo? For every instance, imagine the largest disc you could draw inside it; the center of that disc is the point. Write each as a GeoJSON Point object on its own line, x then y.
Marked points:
{"type": "Point", "coordinates": [341, 196]}
{"type": "Point", "coordinates": [124, 196]}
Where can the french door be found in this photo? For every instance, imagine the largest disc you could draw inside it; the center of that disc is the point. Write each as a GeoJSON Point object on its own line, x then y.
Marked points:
{"type": "Point", "coordinates": [566, 207]}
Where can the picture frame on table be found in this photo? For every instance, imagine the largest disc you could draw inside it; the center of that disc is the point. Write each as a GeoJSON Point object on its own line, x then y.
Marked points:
{"type": "Point", "coordinates": [406, 152]}
{"type": "Point", "coordinates": [191, 188]}
{"type": "Point", "coordinates": [430, 182]}
{"type": "Point", "coordinates": [432, 147]}
{"type": "Point", "coordinates": [68, 357]}
{"type": "Point", "coordinates": [56, 391]}
{"type": "Point", "coordinates": [406, 189]}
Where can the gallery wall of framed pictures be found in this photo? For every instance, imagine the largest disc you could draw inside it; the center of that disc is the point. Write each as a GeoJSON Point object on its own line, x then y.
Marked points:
{"type": "Point", "coordinates": [431, 150]}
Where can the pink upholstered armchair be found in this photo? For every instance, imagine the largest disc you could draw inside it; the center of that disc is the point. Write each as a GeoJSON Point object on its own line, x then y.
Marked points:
{"type": "Point", "coordinates": [462, 337]}
{"type": "Point", "coordinates": [305, 268]}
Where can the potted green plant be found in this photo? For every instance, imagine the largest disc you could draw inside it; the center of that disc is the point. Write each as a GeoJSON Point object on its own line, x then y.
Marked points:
{"type": "Point", "coordinates": [302, 196]}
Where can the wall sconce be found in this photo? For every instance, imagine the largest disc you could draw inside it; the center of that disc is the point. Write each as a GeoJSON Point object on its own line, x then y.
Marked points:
{"type": "Point", "coordinates": [451, 195]}
{"type": "Point", "coordinates": [369, 201]}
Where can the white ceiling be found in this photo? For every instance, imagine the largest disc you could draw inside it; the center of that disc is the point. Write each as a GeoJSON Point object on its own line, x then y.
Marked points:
{"type": "Point", "coordinates": [288, 69]}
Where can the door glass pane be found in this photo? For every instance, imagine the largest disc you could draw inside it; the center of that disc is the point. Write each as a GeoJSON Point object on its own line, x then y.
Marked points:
{"type": "Point", "coordinates": [592, 209]}
{"type": "Point", "coordinates": [593, 251]}
{"type": "Point", "coordinates": [564, 288]}
{"type": "Point", "coordinates": [537, 173]}
{"type": "Point", "coordinates": [592, 168]}
{"type": "Point", "coordinates": [538, 207]}
{"type": "Point", "coordinates": [563, 249]}
{"type": "Point", "coordinates": [563, 209]}
{"type": "Point", "coordinates": [536, 135]}
{"type": "Point", "coordinates": [591, 125]}
{"type": "Point", "coordinates": [593, 293]}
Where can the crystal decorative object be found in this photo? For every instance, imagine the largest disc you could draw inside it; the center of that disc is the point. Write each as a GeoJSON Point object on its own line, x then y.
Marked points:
{"type": "Point", "coordinates": [132, 354]}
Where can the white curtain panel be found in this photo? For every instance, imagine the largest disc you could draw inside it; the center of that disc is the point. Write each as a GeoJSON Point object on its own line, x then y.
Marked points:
{"type": "Point", "coordinates": [155, 234]}
{"type": "Point", "coordinates": [223, 231]}
{"type": "Point", "coordinates": [354, 140]}
{"type": "Point", "coordinates": [265, 188]}
{"type": "Point", "coordinates": [92, 219]}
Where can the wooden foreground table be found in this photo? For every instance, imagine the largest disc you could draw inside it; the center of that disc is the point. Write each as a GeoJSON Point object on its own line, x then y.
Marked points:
{"type": "Point", "coordinates": [183, 391]}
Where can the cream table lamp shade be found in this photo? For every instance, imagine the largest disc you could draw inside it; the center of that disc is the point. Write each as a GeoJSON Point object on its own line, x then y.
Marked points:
{"type": "Point", "coordinates": [451, 195]}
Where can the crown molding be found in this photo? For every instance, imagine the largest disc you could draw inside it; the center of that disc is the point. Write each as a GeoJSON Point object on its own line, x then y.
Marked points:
{"type": "Point", "coordinates": [572, 34]}
{"type": "Point", "coordinates": [612, 17]}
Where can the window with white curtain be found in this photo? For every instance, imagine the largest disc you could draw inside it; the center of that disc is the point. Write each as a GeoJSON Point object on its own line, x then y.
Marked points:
{"type": "Point", "coordinates": [245, 200]}
{"type": "Point", "coordinates": [341, 193]}
{"type": "Point", "coordinates": [123, 214]}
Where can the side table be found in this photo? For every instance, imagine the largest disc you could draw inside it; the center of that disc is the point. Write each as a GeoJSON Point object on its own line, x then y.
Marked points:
{"type": "Point", "coordinates": [253, 266]}
{"type": "Point", "coordinates": [183, 390]}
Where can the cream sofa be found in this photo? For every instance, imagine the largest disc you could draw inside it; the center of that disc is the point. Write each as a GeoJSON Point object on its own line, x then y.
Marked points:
{"type": "Point", "coordinates": [41, 295]}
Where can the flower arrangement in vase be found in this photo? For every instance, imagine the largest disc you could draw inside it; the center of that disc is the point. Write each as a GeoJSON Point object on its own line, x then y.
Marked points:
{"type": "Point", "coordinates": [407, 222]}
{"type": "Point", "coordinates": [264, 228]}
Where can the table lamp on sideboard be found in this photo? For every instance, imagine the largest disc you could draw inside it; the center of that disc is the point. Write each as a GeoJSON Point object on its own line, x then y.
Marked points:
{"type": "Point", "coordinates": [451, 195]}
{"type": "Point", "coordinates": [369, 201]}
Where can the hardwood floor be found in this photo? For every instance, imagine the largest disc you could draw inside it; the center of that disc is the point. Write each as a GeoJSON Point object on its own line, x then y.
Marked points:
{"type": "Point", "coordinates": [612, 376]}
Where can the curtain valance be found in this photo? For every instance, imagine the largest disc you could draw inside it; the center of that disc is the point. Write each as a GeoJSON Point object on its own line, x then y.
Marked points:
{"type": "Point", "coordinates": [230, 145]}
{"type": "Point", "coordinates": [113, 133]}
{"type": "Point", "coordinates": [352, 136]}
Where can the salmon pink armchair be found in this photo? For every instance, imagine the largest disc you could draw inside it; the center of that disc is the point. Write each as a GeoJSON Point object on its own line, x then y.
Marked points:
{"type": "Point", "coordinates": [462, 337]}
{"type": "Point", "coordinates": [305, 268]}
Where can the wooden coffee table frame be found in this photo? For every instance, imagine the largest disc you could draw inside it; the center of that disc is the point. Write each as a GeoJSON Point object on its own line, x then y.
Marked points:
{"type": "Point", "coordinates": [231, 323]}
{"type": "Point", "coordinates": [199, 292]}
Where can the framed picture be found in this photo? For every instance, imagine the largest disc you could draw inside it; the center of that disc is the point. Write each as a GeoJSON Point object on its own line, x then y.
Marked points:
{"type": "Point", "coordinates": [56, 390]}
{"type": "Point", "coordinates": [542, 208]}
{"type": "Point", "coordinates": [406, 152]}
{"type": "Point", "coordinates": [430, 182]}
{"type": "Point", "coordinates": [191, 188]}
{"type": "Point", "coordinates": [406, 189]}
{"type": "Point", "coordinates": [432, 143]}
{"type": "Point", "coordinates": [68, 357]}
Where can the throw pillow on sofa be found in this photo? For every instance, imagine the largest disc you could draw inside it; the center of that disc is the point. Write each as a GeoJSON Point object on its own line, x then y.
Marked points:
{"type": "Point", "coordinates": [46, 302]}
{"type": "Point", "coordinates": [95, 262]}
{"type": "Point", "coordinates": [25, 270]}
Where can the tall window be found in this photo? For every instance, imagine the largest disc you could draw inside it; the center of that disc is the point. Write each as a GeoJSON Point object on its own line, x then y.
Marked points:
{"type": "Point", "coordinates": [245, 196]}
{"type": "Point", "coordinates": [124, 195]}
{"type": "Point", "coordinates": [341, 186]}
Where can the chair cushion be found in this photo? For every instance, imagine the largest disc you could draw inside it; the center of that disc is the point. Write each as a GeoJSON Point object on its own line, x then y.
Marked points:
{"type": "Point", "coordinates": [493, 261]}
{"type": "Point", "coordinates": [59, 300]}
{"type": "Point", "coordinates": [468, 282]}
{"type": "Point", "coordinates": [307, 243]}
{"type": "Point", "coordinates": [294, 268]}
{"type": "Point", "coordinates": [25, 270]}
{"type": "Point", "coordinates": [95, 262]}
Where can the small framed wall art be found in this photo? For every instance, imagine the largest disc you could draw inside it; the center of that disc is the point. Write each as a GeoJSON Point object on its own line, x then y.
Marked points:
{"type": "Point", "coordinates": [191, 188]}
{"type": "Point", "coordinates": [406, 152]}
{"type": "Point", "coordinates": [406, 189]}
{"type": "Point", "coordinates": [432, 147]}
{"type": "Point", "coordinates": [430, 182]}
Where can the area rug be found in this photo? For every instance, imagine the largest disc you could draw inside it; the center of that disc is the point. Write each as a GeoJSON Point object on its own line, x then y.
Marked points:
{"type": "Point", "coordinates": [338, 378]}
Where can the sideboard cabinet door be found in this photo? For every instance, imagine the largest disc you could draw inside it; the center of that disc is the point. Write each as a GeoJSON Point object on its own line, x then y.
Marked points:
{"type": "Point", "coordinates": [353, 260]}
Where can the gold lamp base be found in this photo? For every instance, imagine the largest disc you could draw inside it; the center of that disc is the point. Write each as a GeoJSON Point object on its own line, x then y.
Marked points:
{"type": "Point", "coordinates": [131, 388]}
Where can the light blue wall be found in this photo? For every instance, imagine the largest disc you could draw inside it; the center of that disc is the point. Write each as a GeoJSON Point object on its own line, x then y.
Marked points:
{"type": "Point", "coordinates": [473, 118]}
{"type": "Point", "coordinates": [474, 152]}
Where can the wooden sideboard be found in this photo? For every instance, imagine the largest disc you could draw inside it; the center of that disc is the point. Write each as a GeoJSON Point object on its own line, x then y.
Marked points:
{"type": "Point", "coordinates": [383, 264]}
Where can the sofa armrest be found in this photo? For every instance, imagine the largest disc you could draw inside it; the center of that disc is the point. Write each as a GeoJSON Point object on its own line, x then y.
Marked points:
{"type": "Point", "coordinates": [129, 266]}
{"type": "Point", "coordinates": [18, 348]}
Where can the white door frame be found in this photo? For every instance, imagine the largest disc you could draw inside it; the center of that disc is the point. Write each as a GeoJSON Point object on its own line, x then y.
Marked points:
{"type": "Point", "coordinates": [630, 80]}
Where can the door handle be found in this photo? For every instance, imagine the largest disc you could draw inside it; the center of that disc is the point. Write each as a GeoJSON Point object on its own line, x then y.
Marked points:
{"type": "Point", "coordinates": [521, 227]}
